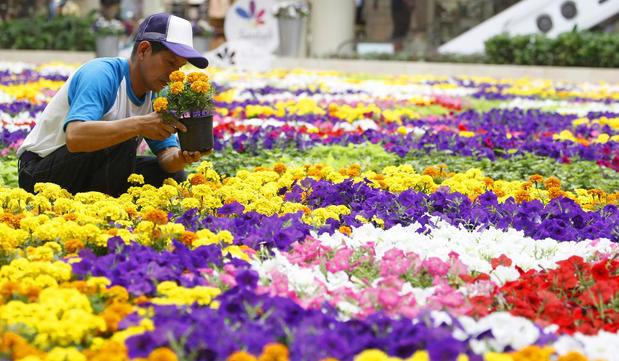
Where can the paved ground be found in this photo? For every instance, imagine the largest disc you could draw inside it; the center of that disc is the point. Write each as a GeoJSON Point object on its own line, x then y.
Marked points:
{"type": "Point", "coordinates": [577, 74]}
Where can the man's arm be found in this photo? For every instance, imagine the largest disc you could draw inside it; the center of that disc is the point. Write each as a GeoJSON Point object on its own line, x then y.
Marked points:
{"type": "Point", "coordinates": [90, 136]}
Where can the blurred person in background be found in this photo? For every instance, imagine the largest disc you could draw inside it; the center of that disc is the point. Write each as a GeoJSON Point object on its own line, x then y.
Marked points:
{"type": "Point", "coordinates": [401, 11]}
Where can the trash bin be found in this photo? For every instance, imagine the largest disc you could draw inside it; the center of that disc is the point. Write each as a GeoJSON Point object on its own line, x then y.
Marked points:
{"type": "Point", "coordinates": [202, 43]}
{"type": "Point", "coordinates": [290, 36]}
{"type": "Point", "coordinates": [107, 46]}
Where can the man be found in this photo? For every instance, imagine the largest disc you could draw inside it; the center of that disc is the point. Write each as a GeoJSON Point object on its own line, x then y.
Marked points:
{"type": "Point", "coordinates": [87, 137]}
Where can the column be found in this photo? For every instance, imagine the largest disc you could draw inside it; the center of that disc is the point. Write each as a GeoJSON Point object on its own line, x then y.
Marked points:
{"type": "Point", "coordinates": [332, 25]}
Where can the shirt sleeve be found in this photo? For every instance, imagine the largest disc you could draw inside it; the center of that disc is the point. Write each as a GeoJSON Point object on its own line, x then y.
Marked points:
{"type": "Point", "coordinates": [158, 145]}
{"type": "Point", "coordinates": [92, 91]}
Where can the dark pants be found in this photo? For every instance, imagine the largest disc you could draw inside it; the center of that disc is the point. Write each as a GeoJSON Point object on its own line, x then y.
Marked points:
{"type": "Point", "coordinates": [401, 15]}
{"type": "Point", "coordinates": [104, 171]}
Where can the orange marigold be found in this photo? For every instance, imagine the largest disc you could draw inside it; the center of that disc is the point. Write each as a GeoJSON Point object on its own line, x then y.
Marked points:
{"type": "Point", "coordinates": [177, 87]}
{"type": "Point", "coordinates": [188, 238]}
{"type": "Point", "coordinates": [346, 230]}
{"type": "Point", "coordinates": [114, 313]}
{"type": "Point", "coordinates": [526, 185]}
{"type": "Point", "coordinates": [195, 76]}
{"type": "Point", "coordinates": [554, 192]}
{"type": "Point", "coordinates": [552, 182]}
{"type": "Point", "coordinates": [177, 76]}
{"type": "Point", "coordinates": [489, 182]}
{"type": "Point", "coordinates": [241, 356]}
{"type": "Point", "coordinates": [197, 178]}
{"type": "Point", "coordinates": [73, 245]}
{"type": "Point", "coordinates": [157, 216]}
{"type": "Point", "coordinates": [274, 352]}
{"type": "Point", "coordinates": [280, 168]}
{"type": "Point", "coordinates": [160, 105]}
{"type": "Point", "coordinates": [522, 196]}
{"type": "Point", "coordinates": [572, 356]}
{"type": "Point", "coordinates": [536, 178]}
{"type": "Point", "coordinates": [162, 354]}
{"type": "Point", "coordinates": [200, 86]}
{"type": "Point", "coordinates": [431, 171]}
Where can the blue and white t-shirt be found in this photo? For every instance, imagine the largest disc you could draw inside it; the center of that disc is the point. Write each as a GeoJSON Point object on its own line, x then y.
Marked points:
{"type": "Point", "coordinates": [98, 90]}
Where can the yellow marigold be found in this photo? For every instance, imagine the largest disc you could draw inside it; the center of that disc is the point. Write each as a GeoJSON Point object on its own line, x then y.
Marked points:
{"type": "Point", "coordinates": [177, 87]}
{"type": "Point", "coordinates": [136, 179]}
{"type": "Point", "coordinates": [162, 354]}
{"type": "Point", "coordinates": [241, 356]}
{"type": "Point", "coordinates": [177, 76]}
{"type": "Point", "coordinates": [552, 182]}
{"type": "Point", "coordinates": [533, 353]}
{"type": "Point", "coordinates": [280, 168]}
{"type": "Point", "coordinates": [536, 178]}
{"type": "Point", "coordinates": [157, 216]}
{"type": "Point", "coordinates": [522, 196]}
{"type": "Point", "coordinates": [160, 105]}
{"type": "Point", "coordinates": [489, 182]}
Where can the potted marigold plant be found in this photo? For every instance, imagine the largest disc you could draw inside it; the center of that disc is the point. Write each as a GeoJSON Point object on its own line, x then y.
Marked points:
{"type": "Point", "coordinates": [189, 99]}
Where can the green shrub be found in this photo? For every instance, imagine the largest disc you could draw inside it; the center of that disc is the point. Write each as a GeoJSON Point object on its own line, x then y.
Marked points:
{"type": "Point", "coordinates": [575, 48]}
{"type": "Point", "coordinates": [59, 33]}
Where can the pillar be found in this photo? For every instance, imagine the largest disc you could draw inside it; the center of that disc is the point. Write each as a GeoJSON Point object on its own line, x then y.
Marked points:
{"type": "Point", "coordinates": [332, 25]}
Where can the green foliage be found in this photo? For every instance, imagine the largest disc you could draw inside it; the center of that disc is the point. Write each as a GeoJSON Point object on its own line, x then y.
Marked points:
{"type": "Point", "coordinates": [577, 174]}
{"type": "Point", "coordinates": [575, 48]}
{"type": "Point", "coordinates": [40, 33]}
{"type": "Point", "coordinates": [8, 172]}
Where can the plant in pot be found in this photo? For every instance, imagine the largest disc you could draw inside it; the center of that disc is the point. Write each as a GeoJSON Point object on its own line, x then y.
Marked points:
{"type": "Point", "coordinates": [290, 18]}
{"type": "Point", "coordinates": [107, 32]}
{"type": "Point", "coordinates": [189, 99]}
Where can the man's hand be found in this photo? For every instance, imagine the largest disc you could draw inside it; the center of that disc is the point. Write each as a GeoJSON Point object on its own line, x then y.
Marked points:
{"type": "Point", "coordinates": [173, 159]}
{"type": "Point", "coordinates": [154, 127]}
{"type": "Point", "coordinates": [191, 157]}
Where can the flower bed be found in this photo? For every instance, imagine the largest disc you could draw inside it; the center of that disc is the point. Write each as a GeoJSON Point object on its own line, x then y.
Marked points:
{"type": "Point", "coordinates": [341, 217]}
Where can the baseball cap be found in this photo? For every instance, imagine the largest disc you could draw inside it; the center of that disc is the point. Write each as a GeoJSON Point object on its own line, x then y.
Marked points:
{"type": "Point", "coordinates": [173, 32]}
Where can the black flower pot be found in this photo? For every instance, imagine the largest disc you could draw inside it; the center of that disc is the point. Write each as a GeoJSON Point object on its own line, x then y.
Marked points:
{"type": "Point", "coordinates": [199, 134]}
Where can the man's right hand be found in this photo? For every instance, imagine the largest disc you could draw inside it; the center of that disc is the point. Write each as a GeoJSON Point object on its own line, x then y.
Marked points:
{"type": "Point", "coordinates": [152, 126]}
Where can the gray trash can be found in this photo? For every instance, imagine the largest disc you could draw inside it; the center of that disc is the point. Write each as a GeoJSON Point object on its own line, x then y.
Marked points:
{"type": "Point", "coordinates": [202, 43]}
{"type": "Point", "coordinates": [290, 36]}
{"type": "Point", "coordinates": [107, 46]}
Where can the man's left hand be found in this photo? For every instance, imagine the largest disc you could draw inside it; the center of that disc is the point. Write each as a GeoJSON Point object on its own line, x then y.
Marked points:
{"type": "Point", "coordinates": [191, 157]}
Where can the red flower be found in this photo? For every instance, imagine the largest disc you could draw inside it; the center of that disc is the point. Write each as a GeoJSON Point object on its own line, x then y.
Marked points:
{"type": "Point", "coordinates": [600, 271]}
{"type": "Point", "coordinates": [502, 260]}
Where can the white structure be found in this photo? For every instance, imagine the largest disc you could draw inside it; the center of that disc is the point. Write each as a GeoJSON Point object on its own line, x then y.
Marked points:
{"type": "Point", "coordinates": [550, 17]}
{"type": "Point", "coordinates": [332, 24]}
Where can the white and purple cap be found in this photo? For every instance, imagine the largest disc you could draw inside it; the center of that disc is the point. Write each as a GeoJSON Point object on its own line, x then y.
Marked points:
{"type": "Point", "coordinates": [173, 32]}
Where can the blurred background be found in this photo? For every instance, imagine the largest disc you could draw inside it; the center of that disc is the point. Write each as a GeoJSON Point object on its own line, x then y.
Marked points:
{"type": "Point", "coordinates": [497, 31]}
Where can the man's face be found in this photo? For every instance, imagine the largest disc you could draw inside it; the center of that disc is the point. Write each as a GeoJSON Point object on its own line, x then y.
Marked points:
{"type": "Point", "coordinates": [158, 67]}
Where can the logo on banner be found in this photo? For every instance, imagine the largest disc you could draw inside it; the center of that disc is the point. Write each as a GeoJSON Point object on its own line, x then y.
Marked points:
{"type": "Point", "coordinates": [253, 15]}
{"type": "Point", "coordinates": [252, 21]}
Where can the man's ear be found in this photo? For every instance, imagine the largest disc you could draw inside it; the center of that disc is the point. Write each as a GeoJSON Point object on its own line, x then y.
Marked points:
{"type": "Point", "coordinates": [144, 48]}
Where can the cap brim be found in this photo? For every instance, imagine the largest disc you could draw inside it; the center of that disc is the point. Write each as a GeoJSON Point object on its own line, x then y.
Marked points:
{"type": "Point", "coordinates": [188, 53]}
